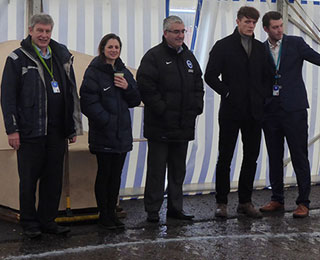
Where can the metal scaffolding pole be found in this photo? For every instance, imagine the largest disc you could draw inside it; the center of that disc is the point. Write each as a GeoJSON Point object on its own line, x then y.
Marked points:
{"type": "Point", "coordinates": [33, 7]}
{"type": "Point", "coordinates": [282, 7]}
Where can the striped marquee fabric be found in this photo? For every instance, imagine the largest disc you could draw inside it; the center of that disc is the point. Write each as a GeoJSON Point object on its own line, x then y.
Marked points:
{"type": "Point", "coordinates": [12, 19]}
{"type": "Point", "coordinates": [80, 24]}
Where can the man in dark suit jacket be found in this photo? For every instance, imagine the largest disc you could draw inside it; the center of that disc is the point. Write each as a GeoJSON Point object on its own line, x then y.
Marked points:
{"type": "Point", "coordinates": [240, 60]}
{"type": "Point", "coordinates": [286, 112]}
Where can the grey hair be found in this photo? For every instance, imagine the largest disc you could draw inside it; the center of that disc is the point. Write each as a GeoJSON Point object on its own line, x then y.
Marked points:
{"type": "Point", "coordinates": [41, 18]}
{"type": "Point", "coordinates": [170, 20]}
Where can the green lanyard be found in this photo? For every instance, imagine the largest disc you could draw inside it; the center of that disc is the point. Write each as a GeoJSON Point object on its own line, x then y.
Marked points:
{"type": "Point", "coordinates": [42, 60]}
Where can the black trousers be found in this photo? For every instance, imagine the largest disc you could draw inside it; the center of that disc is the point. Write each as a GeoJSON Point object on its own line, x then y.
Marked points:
{"type": "Point", "coordinates": [160, 156]}
{"type": "Point", "coordinates": [40, 159]}
{"type": "Point", "coordinates": [251, 138]}
{"type": "Point", "coordinates": [108, 181]}
{"type": "Point", "coordinates": [294, 127]}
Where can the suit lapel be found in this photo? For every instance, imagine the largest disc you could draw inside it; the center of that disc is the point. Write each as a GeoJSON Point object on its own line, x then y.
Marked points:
{"type": "Point", "coordinates": [272, 66]}
{"type": "Point", "coordinates": [283, 50]}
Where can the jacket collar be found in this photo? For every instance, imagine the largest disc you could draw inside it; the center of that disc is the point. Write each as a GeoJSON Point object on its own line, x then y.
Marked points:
{"type": "Point", "coordinates": [58, 50]}
{"type": "Point", "coordinates": [284, 48]}
{"type": "Point", "coordinates": [283, 51]}
{"type": "Point", "coordinates": [100, 64]}
{"type": "Point", "coordinates": [172, 50]}
{"type": "Point", "coordinates": [237, 34]}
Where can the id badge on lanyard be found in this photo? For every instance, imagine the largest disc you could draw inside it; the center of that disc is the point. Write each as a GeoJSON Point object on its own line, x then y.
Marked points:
{"type": "Point", "coordinates": [276, 87]}
{"type": "Point", "coordinates": [276, 90]}
{"type": "Point", "coordinates": [55, 86]}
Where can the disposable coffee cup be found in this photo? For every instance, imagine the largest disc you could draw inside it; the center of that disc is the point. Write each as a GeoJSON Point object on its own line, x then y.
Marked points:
{"type": "Point", "coordinates": [118, 74]}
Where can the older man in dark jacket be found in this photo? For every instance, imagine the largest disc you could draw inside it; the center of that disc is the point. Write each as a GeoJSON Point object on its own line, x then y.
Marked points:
{"type": "Point", "coordinates": [41, 111]}
{"type": "Point", "coordinates": [169, 79]}
{"type": "Point", "coordinates": [240, 60]}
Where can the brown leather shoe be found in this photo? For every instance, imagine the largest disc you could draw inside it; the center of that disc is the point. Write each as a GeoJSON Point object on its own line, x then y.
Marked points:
{"type": "Point", "coordinates": [272, 206]}
{"type": "Point", "coordinates": [301, 211]}
{"type": "Point", "coordinates": [249, 210]}
{"type": "Point", "coordinates": [221, 211]}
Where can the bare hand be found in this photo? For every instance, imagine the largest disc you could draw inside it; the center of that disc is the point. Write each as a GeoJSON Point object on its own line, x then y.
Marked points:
{"type": "Point", "coordinates": [14, 140]}
{"type": "Point", "coordinates": [120, 82]}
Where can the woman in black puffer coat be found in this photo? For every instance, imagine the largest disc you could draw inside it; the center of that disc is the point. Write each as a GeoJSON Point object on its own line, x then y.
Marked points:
{"type": "Point", "coordinates": [107, 91]}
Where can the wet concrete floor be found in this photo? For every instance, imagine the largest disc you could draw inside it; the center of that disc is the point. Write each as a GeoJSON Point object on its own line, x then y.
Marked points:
{"type": "Point", "coordinates": [277, 236]}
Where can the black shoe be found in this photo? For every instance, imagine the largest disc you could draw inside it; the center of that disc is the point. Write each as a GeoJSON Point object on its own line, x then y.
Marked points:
{"type": "Point", "coordinates": [119, 224]}
{"type": "Point", "coordinates": [153, 217]}
{"type": "Point", "coordinates": [121, 213]}
{"type": "Point", "coordinates": [54, 228]}
{"type": "Point", "coordinates": [107, 223]}
{"type": "Point", "coordinates": [118, 209]}
{"type": "Point", "coordinates": [32, 232]}
{"type": "Point", "coordinates": [179, 215]}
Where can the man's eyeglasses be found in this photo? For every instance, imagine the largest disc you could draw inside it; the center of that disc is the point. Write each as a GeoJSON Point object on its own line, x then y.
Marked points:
{"type": "Point", "coordinates": [177, 31]}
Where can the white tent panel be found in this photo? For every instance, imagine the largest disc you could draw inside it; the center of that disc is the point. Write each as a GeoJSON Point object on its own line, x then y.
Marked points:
{"type": "Point", "coordinates": [12, 19]}
{"type": "Point", "coordinates": [80, 24]}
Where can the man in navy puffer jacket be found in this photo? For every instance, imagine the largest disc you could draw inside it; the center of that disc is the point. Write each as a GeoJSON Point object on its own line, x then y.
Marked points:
{"type": "Point", "coordinates": [41, 111]}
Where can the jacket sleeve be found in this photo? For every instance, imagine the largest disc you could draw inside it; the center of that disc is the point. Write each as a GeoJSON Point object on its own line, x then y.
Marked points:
{"type": "Point", "coordinates": [131, 94]}
{"type": "Point", "coordinates": [90, 100]}
{"type": "Point", "coordinates": [147, 79]}
{"type": "Point", "coordinates": [76, 115]}
{"type": "Point", "coordinates": [11, 78]}
{"type": "Point", "coordinates": [199, 91]}
{"type": "Point", "coordinates": [307, 52]}
{"type": "Point", "coordinates": [214, 69]}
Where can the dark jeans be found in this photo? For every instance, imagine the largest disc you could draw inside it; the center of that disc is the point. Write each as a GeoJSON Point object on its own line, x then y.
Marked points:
{"type": "Point", "coordinates": [161, 155]}
{"type": "Point", "coordinates": [294, 127]}
{"type": "Point", "coordinates": [40, 159]}
{"type": "Point", "coordinates": [251, 138]}
{"type": "Point", "coordinates": [108, 181]}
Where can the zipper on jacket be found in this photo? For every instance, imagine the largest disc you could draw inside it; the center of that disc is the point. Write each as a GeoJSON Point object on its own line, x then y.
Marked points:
{"type": "Point", "coordinates": [41, 74]}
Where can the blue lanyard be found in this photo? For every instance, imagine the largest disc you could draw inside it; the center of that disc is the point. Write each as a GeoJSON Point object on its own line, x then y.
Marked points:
{"type": "Point", "coordinates": [279, 57]}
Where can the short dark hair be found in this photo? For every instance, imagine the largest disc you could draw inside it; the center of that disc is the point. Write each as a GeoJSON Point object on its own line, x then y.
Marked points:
{"type": "Point", "coordinates": [248, 12]}
{"type": "Point", "coordinates": [272, 15]}
{"type": "Point", "coordinates": [104, 42]}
